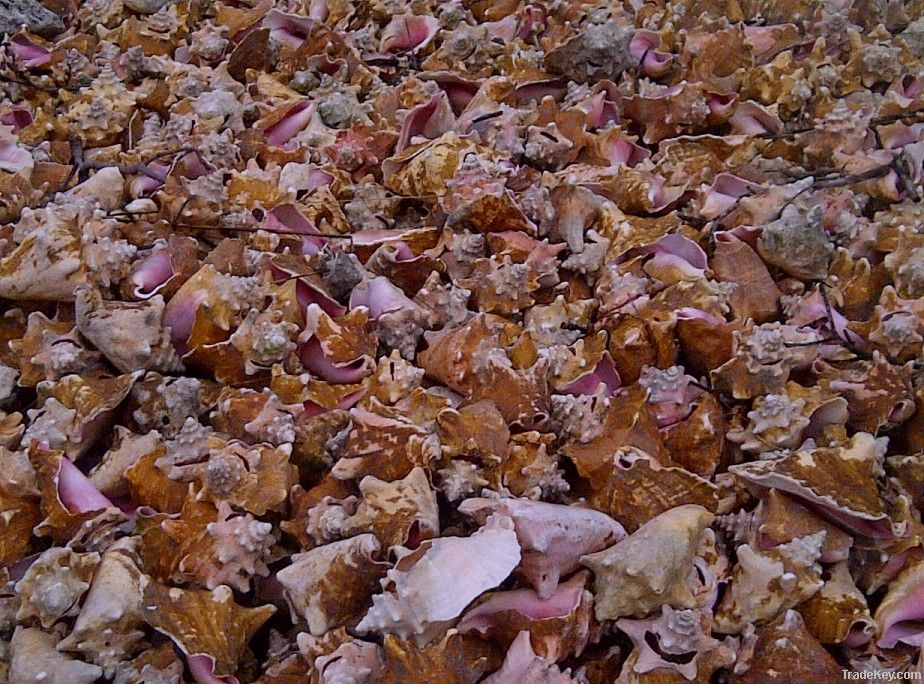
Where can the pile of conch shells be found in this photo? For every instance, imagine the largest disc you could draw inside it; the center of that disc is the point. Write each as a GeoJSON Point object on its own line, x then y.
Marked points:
{"type": "Point", "coordinates": [527, 341]}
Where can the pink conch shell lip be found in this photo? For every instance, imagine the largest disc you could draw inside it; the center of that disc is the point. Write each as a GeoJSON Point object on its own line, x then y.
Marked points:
{"type": "Point", "coordinates": [721, 103]}
{"type": "Point", "coordinates": [293, 122]}
{"type": "Point", "coordinates": [600, 110]}
{"type": "Point", "coordinates": [152, 273]}
{"type": "Point", "coordinates": [18, 118]}
{"type": "Point", "coordinates": [31, 55]}
{"type": "Point", "coordinates": [287, 218]}
{"type": "Point", "coordinates": [904, 623]}
{"type": "Point", "coordinates": [724, 193]}
{"type": "Point", "coordinates": [290, 29]}
{"type": "Point", "coordinates": [202, 668]}
{"type": "Point", "coordinates": [627, 152]}
{"type": "Point", "coordinates": [430, 120]}
{"type": "Point", "coordinates": [643, 41]}
{"type": "Point", "coordinates": [315, 361]}
{"type": "Point", "coordinates": [380, 296]}
{"type": "Point", "coordinates": [676, 250]}
{"type": "Point", "coordinates": [76, 492]}
{"type": "Point", "coordinates": [751, 119]}
{"type": "Point", "coordinates": [409, 32]}
{"type": "Point", "coordinates": [604, 373]}
{"type": "Point", "coordinates": [180, 316]}
{"type": "Point", "coordinates": [643, 48]}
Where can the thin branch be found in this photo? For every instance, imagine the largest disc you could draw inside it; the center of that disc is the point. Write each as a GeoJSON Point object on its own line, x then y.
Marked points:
{"type": "Point", "coordinates": [870, 174]}
{"type": "Point", "coordinates": [23, 79]}
{"type": "Point", "coordinates": [875, 121]}
{"type": "Point", "coordinates": [245, 229]}
{"type": "Point", "coordinates": [125, 169]}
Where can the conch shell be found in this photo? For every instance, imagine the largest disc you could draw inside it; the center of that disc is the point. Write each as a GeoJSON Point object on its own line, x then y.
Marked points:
{"type": "Point", "coordinates": [204, 623]}
{"type": "Point", "coordinates": [430, 587]}
{"type": "Point", "coordinates": [330, 586]}
{"type": "Point", "coordinates": [34, 658]}
{"type": "Point", "coordinates": [108, 628]}
{"type": "Point", "coordinates": [552, 537]}
{"type": "Point", "coordinates": [651, 567]}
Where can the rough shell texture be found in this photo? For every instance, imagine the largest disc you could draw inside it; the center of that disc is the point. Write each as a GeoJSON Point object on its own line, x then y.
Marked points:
{"type": "Point", "coordinates": [650, 567]}
{"type": "Point", "coordinates": [418, 600]}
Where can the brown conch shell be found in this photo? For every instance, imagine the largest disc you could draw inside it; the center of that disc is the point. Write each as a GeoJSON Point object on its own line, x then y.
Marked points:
{"type": "Point", "coordinates": [466, 359]}
{"type": "Point", "coordinates": [764, 583]}
{"type": "Point", "coordinates": [256, 478]}
{"type": "Point", "coordinates": [839, 481]}
{"type": "Point", "coordinates": [756, 296]}
{"type": "Point", "coordinates": [552, 537]}
{"type": "Point", "coordinates": [559, 626]}
{"type": "Point", "coordinates": [76, 411]}
{"type": "Point", "coordinates": [650, 567]}
{"type": "Point", "coordinates": [424, 169]}
{"type": "Point", "coordinates": [675, 641]}
{"type": "Point", "coordinates": [109, 475]}
{"type": "Point", "coordinates": [130, 334]}
{"type": "Point", "coordinates": [207, 623]}
{"type": "Point", "coordinates": [533, 469]}
{"type": "Point", "coordinates": [785, 651]}
{"type": "Point", "coordinates": [230, 550]}
{"type": "Point", "coordinates": [639, 488]}
{"type": "Point", "coordinates": [627, 422]}
{"type": "Point", "coordinates": [784, 421]}
{"type": "Point", "coordinates": [330, 586]}
{"type": "Point", "coordinates": [455, 659]}
{"type": "Point", "coordinates": [159, 663]}
{"type": "Point", "coordinates": [399, 513]}
{"type": "Point", "coordinates": [49, 350]}
{"type": "Point", "coordinates": [47, 264]}
{"type": "Point", "coordinates": [20, 515]}
{"type": "Point", "coordinates": [764, 356]}
{"type": "Point", "coordinates": [838, 612]}
{"type": "Point", "coordinates": [386, 441]}
{"type": "Point", "coordinates": [523, 664]}
{"type": "Point", "coordinates": [148, 485]}
{"type": "Point", "coordinates": [782, 518]}
{"type": "Point", "coordinates": [430, 587]}
{"type": "Point", "coordinates": [476, 430]}
{"type": "Point", "coordinates": [69, 501]}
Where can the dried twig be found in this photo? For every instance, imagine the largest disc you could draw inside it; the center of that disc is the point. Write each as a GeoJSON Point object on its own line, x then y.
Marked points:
{"type": "Point", "coordinates": [875, 121]}
{"type": "Point", "coordinates": [246, 229]}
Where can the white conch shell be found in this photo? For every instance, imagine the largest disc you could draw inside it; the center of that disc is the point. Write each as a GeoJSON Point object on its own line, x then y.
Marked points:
{"type": "Point", "coordinates": [34, 660]}
{"type": "Point", "coordinates": [53, 585]}
{"type": "Point", "coordinates": [552, 537]}
{"type": "Point", "coordinates": [108, 627]}
{"type": "Point", "coordinates": [431, 586]}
